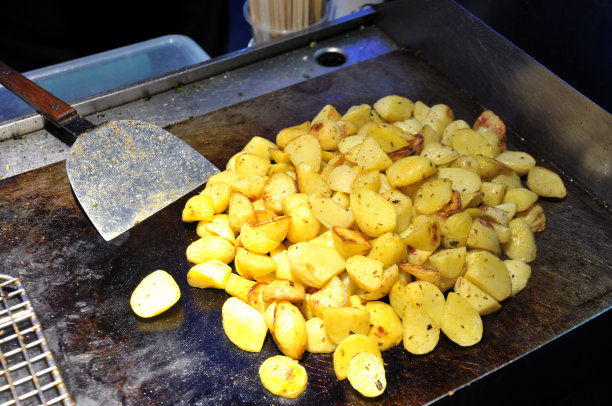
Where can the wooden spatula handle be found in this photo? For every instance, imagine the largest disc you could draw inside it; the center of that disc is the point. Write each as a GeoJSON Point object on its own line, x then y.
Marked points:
{"type": "Point", "coordinates": [41, 100]}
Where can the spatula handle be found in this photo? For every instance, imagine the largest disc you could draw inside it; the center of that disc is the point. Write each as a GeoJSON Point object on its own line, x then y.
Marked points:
{"type": "Point", "coordinates": [41, 100]}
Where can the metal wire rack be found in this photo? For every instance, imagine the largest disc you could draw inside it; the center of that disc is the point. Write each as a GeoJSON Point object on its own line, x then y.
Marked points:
{"type": "Point", "coordinates": [29, 375]}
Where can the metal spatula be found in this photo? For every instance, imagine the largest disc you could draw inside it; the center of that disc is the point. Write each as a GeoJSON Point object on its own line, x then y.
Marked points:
{"type": "Point", "coordinates": [121, 171]}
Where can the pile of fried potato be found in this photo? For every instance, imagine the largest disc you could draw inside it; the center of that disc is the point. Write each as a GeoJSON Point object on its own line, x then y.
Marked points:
{"type": "Point", "coordinates": [356, 232]}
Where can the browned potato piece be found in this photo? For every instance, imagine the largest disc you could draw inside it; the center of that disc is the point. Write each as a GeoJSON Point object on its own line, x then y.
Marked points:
{"type": "Point", "coordinates": [238, 286]}
{"type": "Point", "coordinates": [255, 297]}
{"type": "Point", "coordinates": [283, 376]}
{"type": "Point", "coordinates": [491, 122]}
{"type": "Point", "coordinates": [350, 242]}
{"type": "Point", "coordinates": [277, 187]}
{"type": "Point", "coordinates": [281, 289]}
{"type": "Point", "coordinates": [385, 325]}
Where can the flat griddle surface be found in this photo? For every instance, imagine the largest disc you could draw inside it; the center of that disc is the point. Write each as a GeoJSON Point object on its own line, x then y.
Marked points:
{"type": "Point", "coordinates": [80, 285]}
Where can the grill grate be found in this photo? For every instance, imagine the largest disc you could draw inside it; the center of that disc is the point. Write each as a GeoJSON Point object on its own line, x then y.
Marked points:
{"type": "Point", "coordinates": [29, 375]}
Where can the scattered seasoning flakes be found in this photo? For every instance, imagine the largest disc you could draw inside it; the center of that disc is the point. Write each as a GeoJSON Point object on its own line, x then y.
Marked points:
{"type": "Point", "coordinates": [306, 76]}
{"type": "Point", "coordinates": [178, 89]}
{"type": "Point", "coordinates": [95, 205]}
{"type": "Point", "coordinates": [240, 94]}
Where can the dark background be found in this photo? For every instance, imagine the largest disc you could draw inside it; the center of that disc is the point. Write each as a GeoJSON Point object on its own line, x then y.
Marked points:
{"type": "Point", "coordinates": [571, 38]}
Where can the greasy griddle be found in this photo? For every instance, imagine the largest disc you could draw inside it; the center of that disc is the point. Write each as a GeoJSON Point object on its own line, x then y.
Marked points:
{"type": "Point", "coordinates": [80, 285]}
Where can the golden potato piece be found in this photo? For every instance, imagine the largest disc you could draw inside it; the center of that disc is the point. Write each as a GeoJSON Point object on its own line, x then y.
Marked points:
{"type": "Point", "coordinates": [209, 274]}
{"type": "Point", "coordinates": [366, 373]}
{"type": "Point", "coordinates": [328, 133]}
{"type": "Point", "coordinates": [243, 325]}
{"type": "Point", "coordinates": [522, 244]}
{"type": "Point", "coordinates": [275, 229]}
{"type": "Point", "coordinates": [348, 348]}
{"type": "Point", "coordinates": [366, 272]}
{"type": "Point", "coordinates": [304, 224]}
{"type": "Point", "coordinates": [305, 149]}
{"type": "Point", "coordinates": [385, 325]}
{"type": "Point", "coordinates": [373, 213]}
{"type": "Point", "coordinates": [318, 340]}
{"type": "Point", "coordinates": [240, 211]}
{"type": "Point", "coordinates": [420, 333]}
{"type": "Point", "coordinates": [210, 247]}
{"type": "Point", "coordinates": [252, 264]}
{"type": "Point", "coordinates": [410, 170]}
{"type": "Point", "coordinates": [289, 332]}
{"type": "Point", "coordinates": [489, 274]}
{"type": "Point", "coordinates": [256, 241]}
{"type": "Point", "coordinates": [155, 294]}
{"type": "Point", "coordinates": [238, 286]}
{"type": "Point", "coordinates": [389, 277]}
{"type": "Point", "coordinates": [371, 156]}
{"type": "Point", "coordinates": [520, 272]}
{"type": "Point", "coordinates": [483, 302]}
{"type": "Point", "coordinates": [358, 115]}
{"type": "Point", "coordinates": [519, 161]}
{"type": "Point", "coordinates": [340, 322]}
{"type": "Point", "coordinates": [433, 195]}
{"type": "Point", "coordinates": [250, 165]}
{"type": "Point", "coordinates": [461, 322]}
{"type": "Point", "coordinates": [198, 208]}
{"type": "Point", "coordinates": [333, 294]}
{"type": "Point", "coordinates": [314, 264]}
{"type": "Point", "coordinates": [220, 193]}
{"type": "Point", "coordinates": [285, 135]}
{"type": "Point", "coordinates": [260, 146]}
{"type": "Point", "coordinates": [394, 108]}
{"type": "Point", "coordinates": [449, 262]}
{"type": "Point", "coordinates": [282, 289]}
{"type": "Point", "coordinates": [329, 212]}
{"type": "Point", "coordinates": [523, 198]}
{"type": "Point", "coordinates": [545, 183]}
{"type": "Point", "coordinates": [283, 376]}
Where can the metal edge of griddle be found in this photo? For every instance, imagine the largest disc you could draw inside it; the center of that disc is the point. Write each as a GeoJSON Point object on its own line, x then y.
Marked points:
{"type": "Point", "coordinates": [161, 83]}
{"type": "Point", "coordinates": [532, 100]}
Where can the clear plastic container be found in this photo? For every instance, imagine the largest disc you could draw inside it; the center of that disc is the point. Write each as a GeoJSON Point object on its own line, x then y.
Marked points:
{"type": "Point", "coordinates": [263, 33]}
{"type": "Point", "coordinates": [83, 77]}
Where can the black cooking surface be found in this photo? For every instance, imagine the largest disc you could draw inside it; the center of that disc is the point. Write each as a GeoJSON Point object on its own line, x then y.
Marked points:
{"type": "Point", "coordinates": [80, 285]}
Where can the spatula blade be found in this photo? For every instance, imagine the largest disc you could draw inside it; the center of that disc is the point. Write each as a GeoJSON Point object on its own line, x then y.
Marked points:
{"type": "Point", "coordinates": [124, 171]}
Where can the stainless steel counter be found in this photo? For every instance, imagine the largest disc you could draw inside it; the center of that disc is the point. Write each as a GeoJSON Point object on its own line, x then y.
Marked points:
{"type": "Point", "coordinates": [190, 92]}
